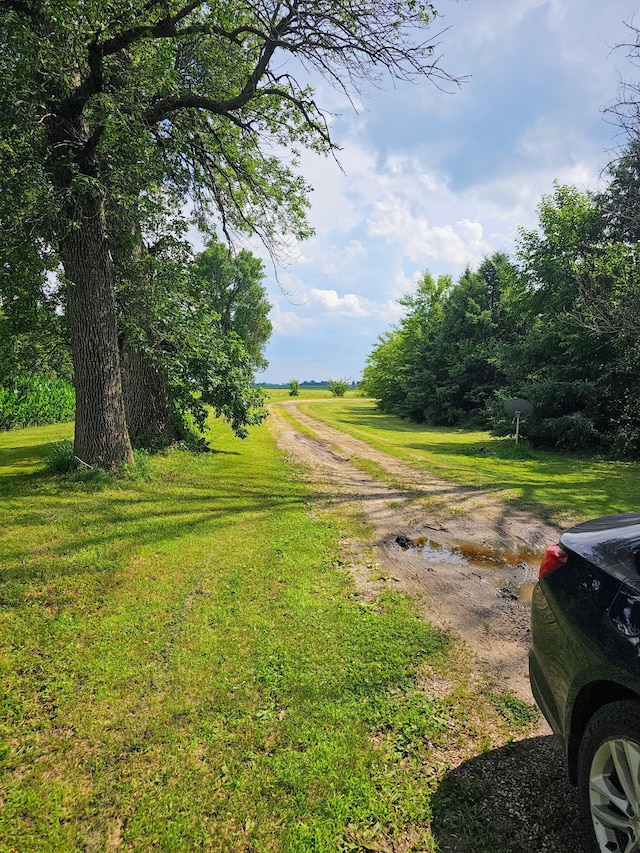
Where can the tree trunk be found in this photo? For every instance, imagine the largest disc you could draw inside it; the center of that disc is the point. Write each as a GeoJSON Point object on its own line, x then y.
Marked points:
{"type": "Point", "coordinates": [147, 396]}
{"type": "Point", "coordinates": [101, 437]}
{"type": "Point", "coordinates": [147, 401]}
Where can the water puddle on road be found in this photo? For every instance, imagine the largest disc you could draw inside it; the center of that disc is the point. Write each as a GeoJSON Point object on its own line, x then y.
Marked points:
{"type": "Point", "coordinates": [506, 567]}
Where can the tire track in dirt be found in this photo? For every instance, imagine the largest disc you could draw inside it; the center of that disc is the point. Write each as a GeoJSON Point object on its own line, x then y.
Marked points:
{"type": "Point", "coordinates": [467, 556]}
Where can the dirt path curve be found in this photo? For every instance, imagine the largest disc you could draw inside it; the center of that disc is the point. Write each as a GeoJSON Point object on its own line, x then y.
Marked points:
{"type": "Point", "coordinates": [467, 558]}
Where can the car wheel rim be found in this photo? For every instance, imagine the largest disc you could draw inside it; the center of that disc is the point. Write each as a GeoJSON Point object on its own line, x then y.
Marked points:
{"type": "Point", "coordinates": [614, 796]}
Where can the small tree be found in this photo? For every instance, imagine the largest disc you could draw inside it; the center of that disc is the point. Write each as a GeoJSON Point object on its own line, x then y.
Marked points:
{"type": "Point", "coordinates": [294, 388]}
{"type": "Point", "coordinates": [338, 387]}
{"type": "Point", "coordinates": [232, 285]}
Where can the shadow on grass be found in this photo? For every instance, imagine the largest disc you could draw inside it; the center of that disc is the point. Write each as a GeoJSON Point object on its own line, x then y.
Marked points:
{"type": "Point", "coordinates": [58, 527]}
{"type": "Point", "coordinates": [516, 799]}
{"type": "Point", "coordinates": [25, 456]}
{"type": "Point", "coordinates": [544, 483]}
{"type": "Point", "coordinates": [371, 417]}
{"type": "Point", "coordinates": [28, 455]}
{"type": "Point", "coordinates": [92, 539]}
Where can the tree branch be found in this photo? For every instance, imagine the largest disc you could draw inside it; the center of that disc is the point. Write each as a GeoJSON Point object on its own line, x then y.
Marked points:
{"type": "Point", "coordinates": [164, 28]}
{"type": "Point", "coordinates": [164, 107]}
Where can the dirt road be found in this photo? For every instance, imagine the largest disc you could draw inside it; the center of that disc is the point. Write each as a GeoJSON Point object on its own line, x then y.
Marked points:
{"type": "Point", "coordinates": [466, 557]}
{"type": "Point", "coordinates": [470, 562]}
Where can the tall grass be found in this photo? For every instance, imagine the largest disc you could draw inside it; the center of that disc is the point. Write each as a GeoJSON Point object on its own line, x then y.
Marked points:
{"type": "Point", "coordinates": [36, 401]}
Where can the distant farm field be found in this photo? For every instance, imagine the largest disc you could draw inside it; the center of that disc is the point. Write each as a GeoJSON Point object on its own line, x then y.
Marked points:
{"type": "Point", "coordinates": [305, 393]}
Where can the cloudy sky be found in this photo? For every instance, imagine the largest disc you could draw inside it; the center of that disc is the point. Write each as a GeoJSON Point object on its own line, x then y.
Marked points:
{"type": "Point", "coordinates": [437, 181]}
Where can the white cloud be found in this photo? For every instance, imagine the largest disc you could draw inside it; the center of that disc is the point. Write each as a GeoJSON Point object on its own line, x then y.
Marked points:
{"type": "Point", "coordinates": [355, 250]}
{"type": "Point", "coordinates": [436, 181]}
{"type": "Point", "coordinates": [289, 323]}
{"type": "Point", "coordinates": [455, 245]}
{"type": "Point", "coordinates": [415, 210]}
{"type": "Point", "coordinates": [587, 35]}
{"type": "Point", "coordinates": [548, 142]}
{"type": "Point", "coordinates": [352, 305]}
{"type": "Point", "coordinates": [335, 260]}
{"type": "Point", "coordinates": [332, 199]}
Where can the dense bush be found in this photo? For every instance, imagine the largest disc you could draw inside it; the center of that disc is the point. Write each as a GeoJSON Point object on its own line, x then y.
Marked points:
{"type": "Point", "coordinates": [338, 387]}
{"type": "Point", "coordinates": [60, 458]}
{"type": "Point", "coordinates": [36, 401]}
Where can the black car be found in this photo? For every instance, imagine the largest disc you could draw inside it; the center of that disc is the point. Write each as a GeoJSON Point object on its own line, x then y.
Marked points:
{"type": "Point", "coordinates": [584, 665]}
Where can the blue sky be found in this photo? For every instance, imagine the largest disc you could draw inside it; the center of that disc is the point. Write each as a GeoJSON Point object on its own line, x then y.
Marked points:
{"type": "Point", "coordinates": [437, 181]}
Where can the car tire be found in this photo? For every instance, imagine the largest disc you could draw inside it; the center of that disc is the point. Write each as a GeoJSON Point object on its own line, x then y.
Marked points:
{"type": "Point", "coordinates": [609, 778]}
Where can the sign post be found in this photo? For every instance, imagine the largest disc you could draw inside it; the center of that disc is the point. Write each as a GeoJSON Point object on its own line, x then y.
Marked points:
{"type": "Point", "coordinates": [518, 409]}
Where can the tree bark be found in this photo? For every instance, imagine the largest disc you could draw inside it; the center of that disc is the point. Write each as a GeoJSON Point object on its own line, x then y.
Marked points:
{"type": "Point", "coordinates": [146, 392]}
{"type": "Point", "coordinates": [101, 437]}
{"type": "Point", "coordinates": [147, 401]}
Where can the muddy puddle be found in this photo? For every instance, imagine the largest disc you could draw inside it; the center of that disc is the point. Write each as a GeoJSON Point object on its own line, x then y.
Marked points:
{"type": "Point", "coordinates": [512, 572]}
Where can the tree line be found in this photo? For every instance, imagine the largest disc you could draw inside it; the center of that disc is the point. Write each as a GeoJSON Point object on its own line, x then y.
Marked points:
{"type": "Point", "coordinates": [556, 323]}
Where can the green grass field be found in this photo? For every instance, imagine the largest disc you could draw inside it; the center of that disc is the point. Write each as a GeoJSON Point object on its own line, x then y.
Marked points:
{"type": "Point", "coordinates": [275, 394]}
{"type": "Point", "coordinates": [562, 487]}
{"type": "Point", "coordinates": [185, 665]}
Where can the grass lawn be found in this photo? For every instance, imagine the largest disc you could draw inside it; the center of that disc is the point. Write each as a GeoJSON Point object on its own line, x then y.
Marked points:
{"type": "Point", "coordinates": [185, 665]}
{"type": "Point", "coordinates": [564, 487]}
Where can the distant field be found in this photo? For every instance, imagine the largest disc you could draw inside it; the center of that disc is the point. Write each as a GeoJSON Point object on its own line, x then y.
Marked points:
{"type": "Point", "coordinates": [565, 487]}
{"type": "Point", "coordinates": [305, 394]}
{"type": "Point", "coordinates": [186, 665]}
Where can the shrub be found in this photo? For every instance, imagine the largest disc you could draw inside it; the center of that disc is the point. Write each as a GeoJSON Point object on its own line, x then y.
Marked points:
{"type": "Point", "coordinates": [573, 432]}
{"type": "Point", "coordinates": [60, 458]}
{"type": "Point", "coordinates": [294, 388]}
{"type": "Point", "coordinates": [338, 387]}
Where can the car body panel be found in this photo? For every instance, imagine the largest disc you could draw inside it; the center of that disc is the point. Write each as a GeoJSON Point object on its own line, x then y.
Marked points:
{"type": "Point", "coordinates": [585, 625]}
{"type": "Point", "coordinates": [612, 543]}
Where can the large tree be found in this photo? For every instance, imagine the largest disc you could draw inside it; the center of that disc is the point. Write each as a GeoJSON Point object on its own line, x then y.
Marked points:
{"type": "Point", "coordinates": [554, 360]}
{"type": "Point", "coordinates": [400, 370]}
{"type": "Point", "coordinates": [104, 98]}
{"type": "Point", "coordinates": [440, 365]}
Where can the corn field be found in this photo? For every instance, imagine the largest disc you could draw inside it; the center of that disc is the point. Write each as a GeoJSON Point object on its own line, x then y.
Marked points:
{"type": "Point", "coordinates": [36, 401]}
